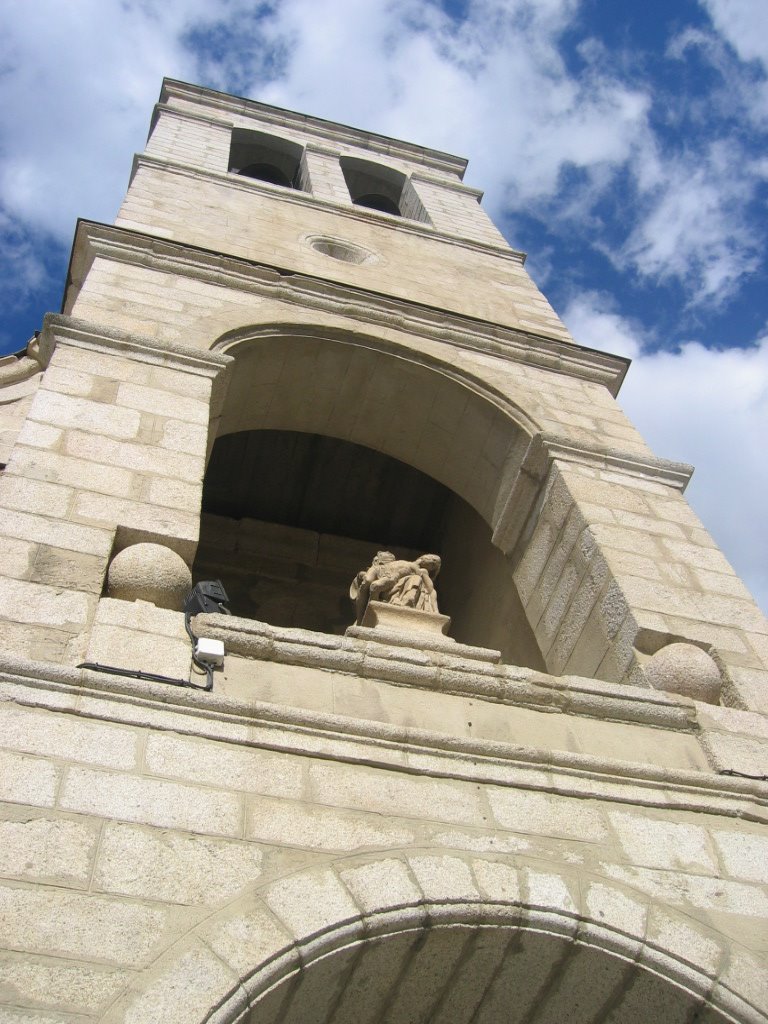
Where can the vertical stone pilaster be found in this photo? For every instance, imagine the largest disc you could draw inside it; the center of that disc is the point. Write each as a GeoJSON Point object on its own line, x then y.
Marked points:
{"type": "Point", "coordinates": [321, 174]}
{"type": "Point", "coordinates": [455, 209]}
{"type": "Point", "coordinates": [112, 453]}
{"type": "Point", "coordinates": [617, 566]}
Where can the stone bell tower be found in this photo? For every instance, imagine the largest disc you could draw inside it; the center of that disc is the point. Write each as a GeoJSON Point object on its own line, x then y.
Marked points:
{"type": "Point", "coordinates": [300, 344]}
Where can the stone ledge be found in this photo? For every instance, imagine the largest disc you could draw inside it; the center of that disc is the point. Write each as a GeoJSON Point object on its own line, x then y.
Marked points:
{"type": "Point", "coordinates": [426, 642]}
{"type": "Point", "coordinates": [448, 669]}
{"type": "Point", "coordinates": [345, 209]}
{"type": "Point", "coordinates": [414, 751]}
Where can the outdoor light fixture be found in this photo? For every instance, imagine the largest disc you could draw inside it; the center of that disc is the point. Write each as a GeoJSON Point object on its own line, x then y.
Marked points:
{"type": "Point", "coordinates": [206, 596]}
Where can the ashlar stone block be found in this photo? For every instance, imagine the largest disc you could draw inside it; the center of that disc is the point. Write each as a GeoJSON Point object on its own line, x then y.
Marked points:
{"type": "Point", "coordinates": [28, 780]}
{"type": "Point", "coordinates": [187, 984]}
{"type": "Point", "coordinates": [48, 984]}
{"type": "Point", "coordinates": [314, 827]}
{"type": "Point", "coordinates": [46, 849]}
{"type": "Point", "coordinates": [69, 737]}
{"type": "Point", "coordinates": [151, 802]}
{"type": "Point", "coordinates": [82, 926]}
{"type": "Point", "coordinates": [174, 867]}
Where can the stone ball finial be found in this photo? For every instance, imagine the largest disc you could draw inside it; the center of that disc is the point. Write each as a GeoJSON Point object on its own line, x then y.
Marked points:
{"type": "Point", "coordinates": [685, 669]}
{"type": "Point", "coordinates": [150, 572]}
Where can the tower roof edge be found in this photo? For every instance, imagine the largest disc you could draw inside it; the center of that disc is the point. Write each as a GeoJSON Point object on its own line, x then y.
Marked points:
{"type": "Point", "coordinates": [173, 89]}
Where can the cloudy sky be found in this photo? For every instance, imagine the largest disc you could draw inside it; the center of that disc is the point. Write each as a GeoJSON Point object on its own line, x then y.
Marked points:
{"type": "Point", "coordinates": [621, 144]}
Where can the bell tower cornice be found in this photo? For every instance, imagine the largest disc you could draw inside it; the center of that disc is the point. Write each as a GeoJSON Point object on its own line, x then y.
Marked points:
{"type": "Point", "coordinates": [126, 246]}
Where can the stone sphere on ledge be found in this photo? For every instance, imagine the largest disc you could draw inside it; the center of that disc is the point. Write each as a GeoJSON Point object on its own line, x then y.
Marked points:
{"type": "Point", "coordinates": [150, 572]}
{"type": "Point", "coordinates": [687, 670]}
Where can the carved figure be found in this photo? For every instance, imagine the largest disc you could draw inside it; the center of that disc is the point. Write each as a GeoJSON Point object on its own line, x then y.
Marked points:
{"type": "Point", "coordinates": [396, 581]}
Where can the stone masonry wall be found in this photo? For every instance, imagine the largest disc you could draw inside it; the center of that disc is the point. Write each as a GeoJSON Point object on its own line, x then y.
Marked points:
{"type": "Point", "coordinates": [204, 144]}
{"type": "Point", "coordinates": [112, 452]}
{"type": "Point", "coordinates": [131, 831]}
{"type": "Point", "coordinates": [617, 566]}
{"type": "Point", "coordinates": [265, 223]}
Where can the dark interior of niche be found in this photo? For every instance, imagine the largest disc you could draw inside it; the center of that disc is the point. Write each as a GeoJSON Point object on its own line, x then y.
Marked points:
{"type": "Point", "coordinates": [324, 484]}
{"type": "Point", "coordinates": [289, 518]}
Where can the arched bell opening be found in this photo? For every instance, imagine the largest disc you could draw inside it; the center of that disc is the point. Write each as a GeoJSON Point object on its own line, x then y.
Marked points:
{"type": "Point", "coordinates": [290, 517]}
{"type": "Point", "coordinates": [265, 157]}
{"type": "Point", "coordinates": [374, 186]}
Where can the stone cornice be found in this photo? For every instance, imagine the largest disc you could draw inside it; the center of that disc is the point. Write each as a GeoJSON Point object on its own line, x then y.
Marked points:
{"type": "Point", "coordinates": [414, 751]}
{"type": "Point", "coordinates": [83, 334]}
{"type": "Point", "coordinates": [341, 210]}
{"type": "Point", "coordinates": [128, 246]}
{"type": "Point", "coordinates": [662, 471]}
{"type": "Point", "coordinates": [516, 520]}
{"type": "Point", "coordinates": [16, 370]}
{"type": "Point", "coordinates": [454, 186]}
{"type": "Point", "coordinates": [311, 145]}
{"type": "Point", "coordinates": [312, 127]}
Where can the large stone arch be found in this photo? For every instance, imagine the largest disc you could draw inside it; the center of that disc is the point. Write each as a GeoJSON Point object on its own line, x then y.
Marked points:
{"type": "Point", "coordinates": [452, 425]}
{"type": "Point", "coordinates": [460, 938]}
{"type": "Point", "coordinates": [374, 408]}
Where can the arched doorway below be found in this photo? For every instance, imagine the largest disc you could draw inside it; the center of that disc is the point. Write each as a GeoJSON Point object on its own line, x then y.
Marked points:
{"type": "Point", "coordinates": [475, 973]}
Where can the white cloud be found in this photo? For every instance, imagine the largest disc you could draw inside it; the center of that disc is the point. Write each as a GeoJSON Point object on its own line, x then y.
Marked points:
{"type": "Point", "coordinates": [696, 228]}
{"type": "Point", "coordinates": [703, 406]}
{"type": "Point", "coordinates": [493, 86]}
{"type": "Point", "coordinates": [79, 80]}
{"type": "Point", "coordinates": [744, 23]}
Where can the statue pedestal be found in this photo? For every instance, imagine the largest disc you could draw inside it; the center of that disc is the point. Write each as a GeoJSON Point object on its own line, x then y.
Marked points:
{"type": "Point", "coordinates": [405, 620]}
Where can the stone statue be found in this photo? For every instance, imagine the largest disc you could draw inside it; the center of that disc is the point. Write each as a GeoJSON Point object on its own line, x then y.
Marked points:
{"type": "Point", "coordinates": [398, 582]}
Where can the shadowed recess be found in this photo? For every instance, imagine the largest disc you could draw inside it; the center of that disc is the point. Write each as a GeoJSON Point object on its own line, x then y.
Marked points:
{"type": "Point", "coordinates": [323, 484]}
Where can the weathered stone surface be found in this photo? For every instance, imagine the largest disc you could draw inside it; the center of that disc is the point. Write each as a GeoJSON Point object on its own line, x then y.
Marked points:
{"type": "Point", "coordinates": [152, 801]}
{"type": "Point", "coordinates": [21, 601]}
{"type": "Point", "coordinates": [81, 926]}
{"type": "Point", "coordinates": [64, 411]}
{"type": "Point", "coordinates": [239, 768]}
{"type": "Point", "coordinates": [28, 780]}
{"type": "Point", "coordinates": [544, 813]}
{"type": "Point", "coordinates": [193, 982]}
{"type": "Point", "coordinates": [150, 572]}
{"type": "Point", "coordinates": [51, 984]}
{"type": "Point", "coordinates": [314, 827]}
{"type": "Point", "coordinates": [656, 843]}
{"type": "Point", "coordinates": [69, 737]}
{"type": "Point", "coordinates": [743, 854]}
{"type": "Point", "coordinates": [48, 850]}
{"type": "Point", "coordinates": [687, 670]}
{"type": "Point", "coordinates": [307, 903]}
{"type": "Point", "coordinates": [173, 867]}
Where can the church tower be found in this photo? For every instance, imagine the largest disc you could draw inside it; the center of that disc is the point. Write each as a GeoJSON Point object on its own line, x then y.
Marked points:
{"type": "Point", "coordinates": [521, 778]}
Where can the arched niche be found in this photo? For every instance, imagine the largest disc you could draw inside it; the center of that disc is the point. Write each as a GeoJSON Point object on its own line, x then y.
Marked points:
{"type": "Point", "coordinates": [332, 446]}
{"type": "Point", "coordinates": [264, 157]}
{"type": "Point", "coordinates": [372, 185]}
{"type": "Point", "coordinates": [424, 412]}
{"type": "Point", "coordinates": [289, 518]}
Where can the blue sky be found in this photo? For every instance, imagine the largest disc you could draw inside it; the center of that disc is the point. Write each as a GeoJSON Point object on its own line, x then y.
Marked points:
{"type": "Point", "coordinates": [621, 144]}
